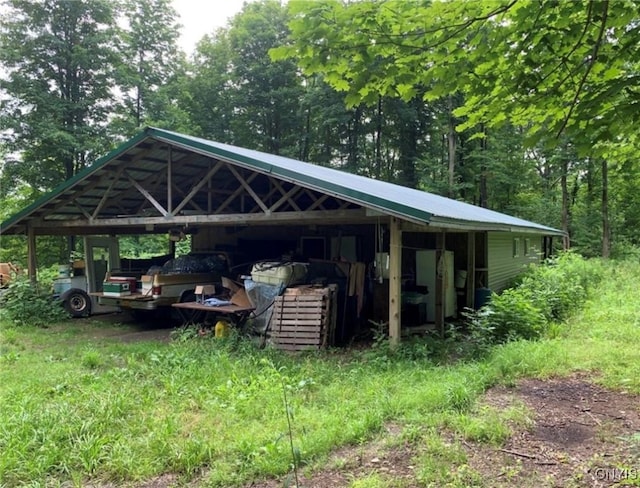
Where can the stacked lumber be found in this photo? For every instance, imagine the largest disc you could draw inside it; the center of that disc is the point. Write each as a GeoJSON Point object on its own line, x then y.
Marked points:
{"type": "Point", "coordinates": [304, 318]}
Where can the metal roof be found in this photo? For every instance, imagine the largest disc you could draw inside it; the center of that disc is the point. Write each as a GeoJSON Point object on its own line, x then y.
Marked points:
{"type": "Point", "coordinates": [137, 161]}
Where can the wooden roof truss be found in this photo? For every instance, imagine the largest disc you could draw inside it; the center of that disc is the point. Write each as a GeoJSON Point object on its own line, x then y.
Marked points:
{"type": "Point", "coordinates": [160, 185]}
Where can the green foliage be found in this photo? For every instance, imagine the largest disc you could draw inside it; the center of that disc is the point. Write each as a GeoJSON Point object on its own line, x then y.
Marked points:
{"type": "Point", "coordinates": [59, 58]}
{"type": "Point", "coordinates": [544, 294]}
{"type": "Point", "coordinates": [510, 315]}
{"type": "Point", "coordinates": [398, 48]}
{"type": "Point", "coordinates": [141, 246]}
{"type": "Point", "coordinates": [500, 68]}
{"type": "Point", "coordinates": [79, 409]}
{"type": "Point", "coordinates": [25, 304]}
{"type": "Point", "coordinates": [559, 288]}
{"type": "Point", "coordinates": [154, 64]}
{"type": "Point", "coordinates": [410, 71]}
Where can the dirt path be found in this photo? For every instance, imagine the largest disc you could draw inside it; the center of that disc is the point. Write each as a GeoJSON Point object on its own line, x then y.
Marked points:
{"type": "Point", "coordinates": [131, 330]}
{"type": "Point", "coordinates": [580, 436]}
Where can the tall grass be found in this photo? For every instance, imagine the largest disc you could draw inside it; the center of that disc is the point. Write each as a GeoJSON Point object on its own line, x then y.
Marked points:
{"type": "Point", "coordinates": [76, 409]}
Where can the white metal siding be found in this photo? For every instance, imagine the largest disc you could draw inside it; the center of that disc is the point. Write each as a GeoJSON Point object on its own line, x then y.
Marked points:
{"type": "Point", "coordinates": [502, 264]}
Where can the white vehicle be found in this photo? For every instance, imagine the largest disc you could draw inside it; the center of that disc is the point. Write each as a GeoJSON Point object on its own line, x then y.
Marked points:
{"type": "Point", "coordinates": [78, 281]}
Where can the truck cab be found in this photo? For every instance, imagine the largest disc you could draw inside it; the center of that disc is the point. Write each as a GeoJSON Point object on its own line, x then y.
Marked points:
{"type": "Point", "coordinates": [79, 279]}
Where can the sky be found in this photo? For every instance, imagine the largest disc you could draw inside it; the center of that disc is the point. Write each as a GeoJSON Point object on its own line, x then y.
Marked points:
{"type": "Point", "coordinates": [200, 17]}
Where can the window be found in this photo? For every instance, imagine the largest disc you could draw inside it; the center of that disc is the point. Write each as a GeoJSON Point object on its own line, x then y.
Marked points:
{"type": "Point", "coordinates": [516, 247]}
{"type": "Point", "coordinates": [527, 246]}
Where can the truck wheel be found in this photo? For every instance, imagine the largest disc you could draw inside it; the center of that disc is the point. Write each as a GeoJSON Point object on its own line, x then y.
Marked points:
{"type": "Point", "coordinates": [77, 303]}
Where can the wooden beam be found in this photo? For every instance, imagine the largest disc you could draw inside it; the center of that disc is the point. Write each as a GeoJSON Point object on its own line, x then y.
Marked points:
{"type": "Point", "coordinates": [395, 274]}
{"type": "Point", "coordinates": [148, 196]}
{"type": "Point", "coordinates": [287, 197]}
{"type": "Point", "coordinates": [413, 227]}
{"type": "Point", "coordinates": [248, 189]}
{"type": "Point", "coordinates": [471, 270]}
{"type": "Point", "coordinates": [297, 218]}
{"type": "Point", "coordinates": [234, 195]}
{"type": "Point", "coordinates": [82, 210]}
{"type": "Point", "coordinates": [266, 197]}
{"type": "Point", "coordinates": [153, 183]}
{"type": "Point", "coordinates": [32, 266]}
{"type": "Point", "coordinates": [75, 192]}
{"type": "Point", "coordinates": [105, 195]}
{"type": "Point", "coordinates": [318, 202]}
{"type": "Point", "coordinates": [170, 181]}
{"type": "Point", "coordinates": [179, 191]}
{"type": "Point", "coordinates": [198, 186]}
{"type": "Point", "coordinates": [440, 290]}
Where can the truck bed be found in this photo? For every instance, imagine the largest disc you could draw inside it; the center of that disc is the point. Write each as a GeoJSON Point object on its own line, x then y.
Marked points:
{"type": "Point", "coordinates": [173, 288]}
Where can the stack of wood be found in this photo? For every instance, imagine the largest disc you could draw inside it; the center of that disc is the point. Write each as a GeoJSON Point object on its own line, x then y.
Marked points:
{"type": "Point", "coordinates": [304, 318]}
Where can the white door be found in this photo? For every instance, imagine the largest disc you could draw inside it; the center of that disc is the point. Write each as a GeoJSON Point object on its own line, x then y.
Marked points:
{"type": "Point", "coordinates": [102, 255]}
{"type": "Point", "coordinates": [426, 270]}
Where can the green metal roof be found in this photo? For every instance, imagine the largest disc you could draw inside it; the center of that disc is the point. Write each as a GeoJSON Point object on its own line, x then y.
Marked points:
{"type": "Point", "coordinates": [145, 158]}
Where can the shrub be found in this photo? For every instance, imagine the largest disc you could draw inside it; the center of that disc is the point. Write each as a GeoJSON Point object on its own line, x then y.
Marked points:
{"type": "Point", "coordinates": [560, 286]}
{"type": "Point", "coordinates": [512, 315]}
{"type": "Point", "coordinates": [27, 304]}
{"type": "Point", "coordinates": [544, 294]}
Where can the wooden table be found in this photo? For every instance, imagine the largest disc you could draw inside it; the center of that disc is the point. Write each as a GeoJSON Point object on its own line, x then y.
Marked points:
{"type": "Point", "coordinates": [236, 314]}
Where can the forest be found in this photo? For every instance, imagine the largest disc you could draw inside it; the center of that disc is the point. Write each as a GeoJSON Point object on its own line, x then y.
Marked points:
{"type": "Point", "coordinates": [525, 107]}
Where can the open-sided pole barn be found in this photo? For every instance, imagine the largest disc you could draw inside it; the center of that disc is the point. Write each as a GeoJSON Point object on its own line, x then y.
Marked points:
{"type": "Point", "coordinates": [235, 198]}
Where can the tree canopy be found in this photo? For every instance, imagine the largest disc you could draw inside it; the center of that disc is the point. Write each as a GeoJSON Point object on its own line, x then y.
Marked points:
{"type": "Point", "coordinates": [524, 107]}
{"type": "Point", "coordinates": [59, 58]}
{"type": "Point", "coordinates": [552, 67]}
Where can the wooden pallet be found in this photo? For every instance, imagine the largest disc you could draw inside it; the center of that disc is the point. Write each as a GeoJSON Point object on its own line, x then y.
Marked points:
{"type": "Point", "coordinates": [304, 318]}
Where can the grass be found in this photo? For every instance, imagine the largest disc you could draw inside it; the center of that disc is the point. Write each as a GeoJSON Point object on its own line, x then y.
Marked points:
{"type": "Point", "coordinates": [74, 408]}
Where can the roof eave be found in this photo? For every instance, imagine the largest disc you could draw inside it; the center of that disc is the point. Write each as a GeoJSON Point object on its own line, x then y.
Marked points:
{"type": "Point", "coordinates": [489, 226]}
{"type": "Point", "coordinates": [86, 172]}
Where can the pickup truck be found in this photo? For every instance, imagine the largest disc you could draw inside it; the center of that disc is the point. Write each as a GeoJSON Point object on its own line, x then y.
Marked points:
{"type": "Point", "coordinates": [162, 286]}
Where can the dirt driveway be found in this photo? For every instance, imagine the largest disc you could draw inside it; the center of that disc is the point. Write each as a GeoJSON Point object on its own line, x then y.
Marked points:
{"type": "Point", "coordinates": [581, 436]}
{"type": "Point", "coordinates": [122, 326]}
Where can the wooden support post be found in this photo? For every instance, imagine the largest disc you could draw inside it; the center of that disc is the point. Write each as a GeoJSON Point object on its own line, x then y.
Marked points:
{"type": "Point", "coordinates": [32, 267]}
{"type": "Point", "coordinates": [170, 182]}
{"type": "Point", "coordinates": [395, 272]}
{"type": "Point", "coordinates": [440, 291]}
{"type": "Point", "coordinates": [471, 270]}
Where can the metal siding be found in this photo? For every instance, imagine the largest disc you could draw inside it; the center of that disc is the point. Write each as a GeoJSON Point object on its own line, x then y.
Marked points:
{"type": "Point", "coordinates": [503, 266]}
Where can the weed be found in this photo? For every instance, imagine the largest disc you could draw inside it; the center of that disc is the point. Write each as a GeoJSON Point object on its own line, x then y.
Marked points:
{"type": "Point", "coordinates": [92, 359]}
{"type": "Point", "coordinates": [9, 335]}
{"type": "Point", "coordinates": [27, 304]}
{"type": "Point", "coordinates": [375, 480]}
{"type": "Point", "coordinates": [438, 463]}
{"type": "Point", "coordinates": [486, 426]}
{"type": "Point", "coordinates": [541, 298]}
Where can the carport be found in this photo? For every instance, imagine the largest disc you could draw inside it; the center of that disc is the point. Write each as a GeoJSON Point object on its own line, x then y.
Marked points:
{"type": "Point", "coordinates": [162, 182]}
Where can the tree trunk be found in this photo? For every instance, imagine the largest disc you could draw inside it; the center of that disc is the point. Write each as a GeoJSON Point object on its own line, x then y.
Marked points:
{"type": "Point", "coordinates": [606, 228]}
{"type": "Point", "coordinates": [378, 148]}
{"type": "Point", "coordinates": [304, 155]}
{"type": "Point", "coordinates": [566, 216]}
{"type": "Point", "coordinates": [408, 148]}
{"type": "Point", "coordinates": [451, 136]}
{"type": "Point", "coordinates": [484, 191]}
{"type": "Point", "coordinates": [354, 132]}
